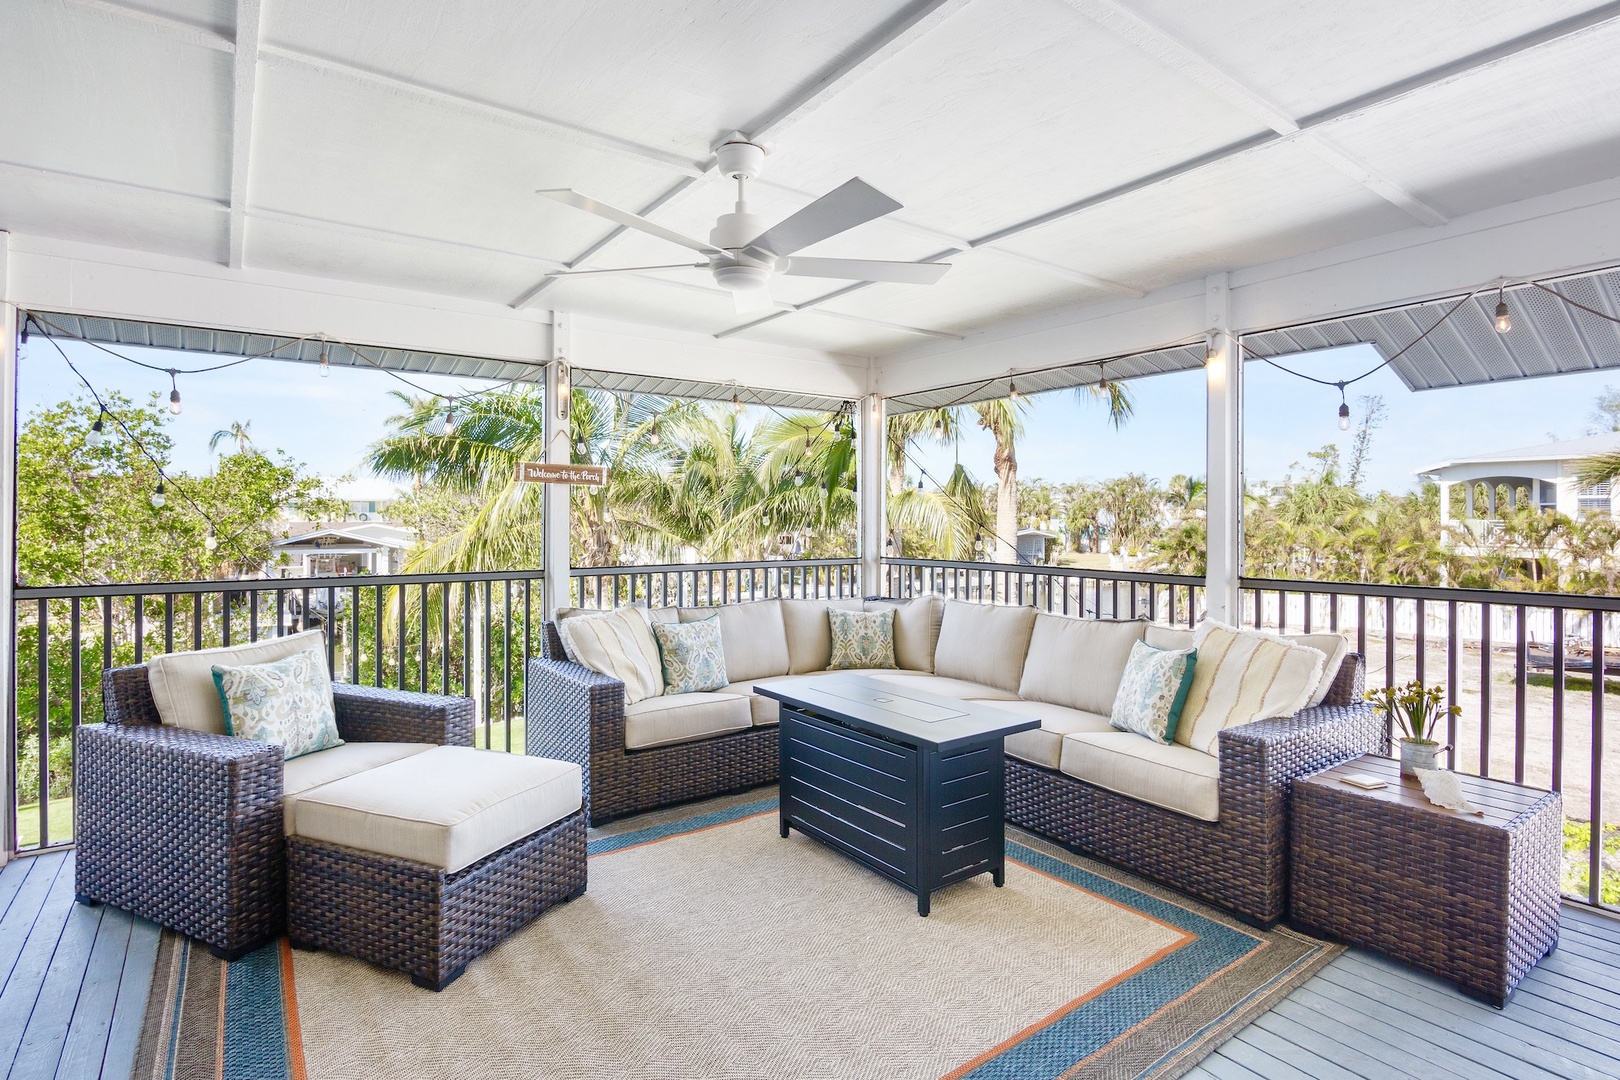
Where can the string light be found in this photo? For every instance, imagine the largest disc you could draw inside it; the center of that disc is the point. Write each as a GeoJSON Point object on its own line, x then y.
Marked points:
{"type": "Point", "coordinates": [736, 404]}
{"type": "Point", "coordinates": [1504, 321]}
{"type": "Point", "coordinates": [326, 361]}
{"type": "Point", "coordinates": [919, 483]}
{"type": "Point", "coordinates": [1012, 391]}
{"type": "Point", "coordinates": [1344, 409]}
{"type": "Point", "coordinates": [174, 393]}
{"type": "Point", "coordinates": [653, 439]}
{"type": "Point", "coordinates": [96, 436]}
{"type": "Point", "coordinates": [1102, 377]}
{"type": "Point", "coordinates": [158, 498]}
{"type": "Point", "coordinates": [449, 418]}
{"type": "Point", "coordinates": [211, 541]}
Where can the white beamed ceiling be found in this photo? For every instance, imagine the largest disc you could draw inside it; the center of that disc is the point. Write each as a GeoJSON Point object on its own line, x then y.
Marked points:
{"type": "Point", "coordinates": [399, 144]}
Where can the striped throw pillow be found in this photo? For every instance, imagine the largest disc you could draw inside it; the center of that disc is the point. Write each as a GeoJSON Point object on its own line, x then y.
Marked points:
{"type": "Point", "coordinates": [1242, 676]}
{"type": "Point", "coordinates": [619, 644]}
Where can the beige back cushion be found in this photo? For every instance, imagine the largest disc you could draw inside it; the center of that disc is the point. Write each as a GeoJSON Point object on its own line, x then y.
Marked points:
{"type": "Point", "coordinates": [1335, 647]}
{"type": "Point", "coordinates": [619, 644]}
{"type": "Point", "coordinates": [809, 639]}
{"type": "Point", "coordinates": [1078, 662]}
{"type": "Point", "coordinates": [183, 683]}
{"type": "Point", "coordinates": [984, 643]}
{"type": "Point", "coordinates": [1242, 676]}
{"type": "Point", "coordinates": [916, 630]}
{"type": "Point", "coordinates": [753, 637]}
{"type": "Point", "coordinates": [1173, 638]}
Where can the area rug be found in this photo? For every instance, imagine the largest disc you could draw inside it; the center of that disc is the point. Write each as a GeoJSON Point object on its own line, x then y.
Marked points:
{"type": "Point", "coordinates": [708, 946]}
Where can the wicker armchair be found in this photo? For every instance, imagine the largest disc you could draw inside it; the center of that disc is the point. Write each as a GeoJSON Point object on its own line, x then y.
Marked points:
{"type": "Point", "coordinates": [1239, 862]}
{"type": "Point", "coordinates": [185, 828]}
{"type": "Point", "coordinates": [572, 713]}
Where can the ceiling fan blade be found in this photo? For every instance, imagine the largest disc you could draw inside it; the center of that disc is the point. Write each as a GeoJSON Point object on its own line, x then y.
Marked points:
{"type": "Point", "coordinates": [625, 218]}
{"type": "Point", "coordinates": [628, 269]}
{"type": "Point", "coordinates": [844, 207]}
{"type": "Point", "coordinates": [754, 300]}
{"type": "Point", "coordinates": [905, 273]}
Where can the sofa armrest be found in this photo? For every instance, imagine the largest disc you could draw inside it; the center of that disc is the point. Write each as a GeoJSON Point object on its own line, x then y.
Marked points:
{"type": "Point", "coordinates": [1259, 760]}
{"type": "Point", "coordinates": [377, 714]}
{"type": "Point", "coordinates": [181, 827]}
{"type": "Point", "coordinates": [1349, 683]}
{"type": "Point", "coordinates": [571, 712]}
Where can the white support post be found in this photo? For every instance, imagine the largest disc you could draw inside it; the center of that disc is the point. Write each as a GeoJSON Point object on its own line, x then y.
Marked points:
{"type": "Point", "coordinates": [8, 542]}
{"type": "Point", "coordinates": [1223, 373]}
{"type": "Point", "coordinates": [872, 528]}
{"type": "Point", "coordinates": [556, 511]}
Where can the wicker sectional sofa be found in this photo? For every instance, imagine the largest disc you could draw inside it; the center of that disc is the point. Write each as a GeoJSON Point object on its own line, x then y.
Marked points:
{"type": "Point", "coordinates": [1214, 825]}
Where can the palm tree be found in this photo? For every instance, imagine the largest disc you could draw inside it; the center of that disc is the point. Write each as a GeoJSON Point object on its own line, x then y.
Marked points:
{"type": "Point", "coordinates": [238, 431]}
{"type": "Point", "coordinates": [937, 517]}
{"type": "Point", "coordinates": [1001, 418]}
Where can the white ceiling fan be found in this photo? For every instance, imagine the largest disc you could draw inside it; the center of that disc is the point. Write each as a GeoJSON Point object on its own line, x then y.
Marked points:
{"type": "Point", "coordinates": [743, 253]}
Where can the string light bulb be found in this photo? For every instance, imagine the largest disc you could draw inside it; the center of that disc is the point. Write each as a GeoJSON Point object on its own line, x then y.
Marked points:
{"type": "Point", "coordinates": [211, 541]}
{"type": "Point", "coordinates": [736, 404]}
{"type": "Point", "coordinates": [158, 498]}
{"type": "Point", "coordinates": [919, 483]}
{"type": "Point", "coordinates": [449, 418]}
{"type": "Point", "coordinates": [1012, 391]}
{"type": "Point", "coordinates": [1344, 410]}
{"type": "Point", "coordinates": [326, 361]}
{"type": "Point", "coordinates": [653, 438]}
{"type": "Point", "coordinates": [1504, 321]}
{"type": "Point", "coordinates": [1102, 377]}
{"type": "Point", "coordinates": [174, 393]}
{"type": "Point", "coordinates": [96, 435]}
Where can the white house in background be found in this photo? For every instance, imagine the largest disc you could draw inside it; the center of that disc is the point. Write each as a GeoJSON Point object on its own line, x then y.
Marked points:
{"type": "Point", "coordinates": [367, 498]}
{"type": "Point", "coordinates": [340, 549]}
{"type": "Point", "coordinates": [1544, 474]}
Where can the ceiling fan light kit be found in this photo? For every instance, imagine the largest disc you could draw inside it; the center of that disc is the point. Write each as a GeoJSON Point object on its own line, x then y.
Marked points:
{"type": "Point", "coordinates": [744, 253]}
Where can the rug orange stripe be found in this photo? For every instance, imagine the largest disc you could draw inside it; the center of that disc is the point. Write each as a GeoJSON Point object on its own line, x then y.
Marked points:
{"type": "Point", "coordinates": [289, 1010]}
{"type": "Point", "coordinates": [219, 1035]}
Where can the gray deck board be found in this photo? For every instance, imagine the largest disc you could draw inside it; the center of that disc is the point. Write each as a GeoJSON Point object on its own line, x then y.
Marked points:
{"type": "Point", "coordinates": [74, 982]}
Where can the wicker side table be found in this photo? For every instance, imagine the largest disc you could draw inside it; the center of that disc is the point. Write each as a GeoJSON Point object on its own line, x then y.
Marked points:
{"type": "Point", "coordinates": [1468, 898]}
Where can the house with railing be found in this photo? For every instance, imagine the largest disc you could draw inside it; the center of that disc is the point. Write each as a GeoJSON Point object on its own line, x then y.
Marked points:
{"type": "Point", "coordinates": [686, 842]}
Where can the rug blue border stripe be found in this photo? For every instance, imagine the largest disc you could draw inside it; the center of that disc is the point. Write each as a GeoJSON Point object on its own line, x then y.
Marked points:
{"type": "Point", "coordinates": [255, 1024]}
{"type": "Point", "coordinates": [605, 844]}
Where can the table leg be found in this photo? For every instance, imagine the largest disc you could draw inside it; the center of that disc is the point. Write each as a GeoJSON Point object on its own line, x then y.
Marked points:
{"type": "Point", "coordinates": [923, 907]}
{"type": "Point", "coordinates": [784, 825]}
{"type": "Point", "coordinates": [999, 876]}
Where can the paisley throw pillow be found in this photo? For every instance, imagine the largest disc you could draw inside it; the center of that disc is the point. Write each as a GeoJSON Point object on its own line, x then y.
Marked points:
{"type": "Point", "coordinates": [285, 702]}
{"type": "Point", "coordinates": [1153, 691]}
{"type": "Point", "coordinates": [861, 639]}
{"type": "Point", "coordinates": [692, 657]}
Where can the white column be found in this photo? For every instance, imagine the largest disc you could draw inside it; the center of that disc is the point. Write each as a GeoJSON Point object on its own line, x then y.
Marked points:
{"type": "Point", "coordinates": [559, 450]}
{"type": "Point", "coordinates": [1223, 375]}
{"type": "Point", "coordinates": [1445, 501]}
{"type": "Point", "coordinates": [872, 528]}
{"type": "Point", "coordinates": [8, 536]}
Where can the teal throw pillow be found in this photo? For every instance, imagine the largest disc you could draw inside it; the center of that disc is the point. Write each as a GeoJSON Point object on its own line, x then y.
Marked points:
{"type": "Point", "coordinates": [286, 702]}
{"type": "Point", "coordinates": [691, 654]}
{"type": "Point", "coordinates": [861, 639]}
{"type": "Point", "coordinates": [1153, 691]}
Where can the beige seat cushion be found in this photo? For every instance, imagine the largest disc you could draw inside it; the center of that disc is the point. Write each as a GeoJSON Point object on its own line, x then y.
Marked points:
{"type": "Point", "coordinates": [448, 806]}
{"type": "Point", "coordinates": [1242, 676]}
{"type": "Point", "coordinates": [809, 640]}
{"type": "Point", "coordinates": [619, 644]}
{"type": "Point", "coordinates": [682, 718]}
{"type": "Point", "coordinates": [1170, 638]}
{"type": "Point", "coordinates": [984, 643]}
{"type": "Point", "coordinates": [1044, 745]}
{"type": "Point", "coordinates": [183, 683]}
{"type": "Point", "coordinates": [1078, 662]}
{"type": "Point", "coordinates": [310, 771]}
{"type": "Point", "coordinates": [1174, 777]}
{"type": "Point", "coordinates": [1335, 647]}
{"type": "Point", "coordinates": [961, 689]}
{"type": "Point", "coordinates": [765, 710]}
{"type": "Point", "coordinates": [916, 630]}
{"type": "Point", "coordinates": [752, 635]}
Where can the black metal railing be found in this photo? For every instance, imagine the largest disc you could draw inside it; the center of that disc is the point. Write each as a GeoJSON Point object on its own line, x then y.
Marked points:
{"type": "Point", "coordinates": [467, 634]}
{"type": "Point", "coordinates": [1176, 599]}
{"type": "Point", "coordinates": [707, 584]}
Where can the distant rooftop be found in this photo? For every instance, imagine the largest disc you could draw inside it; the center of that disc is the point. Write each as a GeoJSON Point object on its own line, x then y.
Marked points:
{"type": "Point", "coordinates": [1564, 450]}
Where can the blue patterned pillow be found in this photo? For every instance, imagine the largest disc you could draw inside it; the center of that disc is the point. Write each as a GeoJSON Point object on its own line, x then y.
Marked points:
{"type": "Point", "coordinates": [287, 703]}
{"type": "Point", "coordinates": [861, 639]}
{"type": "Point", "coordinates": [1153, 691]}
{"type": "Point", "coordinates": [691, 654]}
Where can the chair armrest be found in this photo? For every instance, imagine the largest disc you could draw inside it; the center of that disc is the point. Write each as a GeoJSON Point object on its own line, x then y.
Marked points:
{"type": "Point", "coordinates": [570, 712]}
{"type": "Point", "coordinates": [377, 714]}
{"type": "Point", "coordinates": [181, 827]}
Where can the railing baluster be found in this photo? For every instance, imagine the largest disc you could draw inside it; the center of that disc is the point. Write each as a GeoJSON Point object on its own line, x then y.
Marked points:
{"type": "Point", "coordinates": [43, 692]}
{"type": "Point", "coordinates": [168, 622]}
{"type": "Point", "coordinates": [376, 630]}
{"type": "Point", "coordinates": [1421, 639]}
{"type": "Point", "coordinates": [486, 650]}
{"type": "Point", "coordinates": [139, 600]}
{"type": "Point", "coordinates": [422, 659]}
{"type": "Point", "coordinates": [354, 634]}
{"type": "Point", "coordinates": [1594, 853]}
{"type": "Point", "coordinates": [1521, 673]}
{"type": "Point", "coordinates": [1558, 700]}
{"type": "Point", "coordinates": [1485, 690]}
{"type": "Point", "coordinates": [506, 658]}
{"type": "Point", "coordinates": [444, 638]}
{"type": "Point", "coordinates": [1389, 641]}
{"type": "Point", "coordinates": [1452, 729]}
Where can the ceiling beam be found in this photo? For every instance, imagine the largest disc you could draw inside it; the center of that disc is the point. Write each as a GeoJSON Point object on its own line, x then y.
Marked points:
{"type": "Point", "coordinates": [1438, 76]}
{"type": "Point", "coordinates": [112, 187]}
{"type": "Point", "coordinates": [1116, 17]}
{"type": "Point", "coordinates": [715, 290]}
{"type": "Point", "coordinates": [890, 39]}
{"type": "Point", "coordinates": [433, 243]}
{"type": "Point", "coordinates": [163, 25]}
{"type": "Point", "coordinates": [244, 85]}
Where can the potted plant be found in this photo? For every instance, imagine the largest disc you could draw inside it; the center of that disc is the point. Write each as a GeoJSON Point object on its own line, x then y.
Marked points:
{"type": "Point", "coordinates": [1417, 710]}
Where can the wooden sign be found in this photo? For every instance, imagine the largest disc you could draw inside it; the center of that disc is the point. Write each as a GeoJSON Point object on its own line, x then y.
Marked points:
{"type": "Point", "coordinates": [540, 472]}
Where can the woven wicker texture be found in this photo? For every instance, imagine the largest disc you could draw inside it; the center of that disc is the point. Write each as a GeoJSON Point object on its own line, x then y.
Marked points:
{"type": "Point", "coordinates": [1239, 862]}
{"type": "Point", "coordinates": [185, 828]}
{"type": "Point", "coordinates": [575, 714]}
{"type": "Point", "coordinates": [414, 918]}
{"type": "Point", "coordinates": [1468, 899]}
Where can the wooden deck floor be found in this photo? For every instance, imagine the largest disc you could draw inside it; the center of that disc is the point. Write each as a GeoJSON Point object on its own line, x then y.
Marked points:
{"type": "Point", "coordinates": [73, 984]}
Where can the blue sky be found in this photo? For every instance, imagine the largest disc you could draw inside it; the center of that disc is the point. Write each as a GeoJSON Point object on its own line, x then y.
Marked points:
{"type": "Point", "coordinates": [329, 423]}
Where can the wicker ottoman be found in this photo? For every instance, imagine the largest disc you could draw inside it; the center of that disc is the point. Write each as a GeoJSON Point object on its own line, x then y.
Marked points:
{"type": "Point", "coordinates": [1471, 899]}
{"type": "Point", "coordinates": [422, 864]}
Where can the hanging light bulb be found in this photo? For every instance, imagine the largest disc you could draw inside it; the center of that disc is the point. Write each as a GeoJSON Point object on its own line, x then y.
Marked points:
{"type": "Point", "coordinates": [653, 439]}
{"type": "Point", "coordinates": [1012, 391]}
{"type": "Point", "coordinates": [326, 361]}
{"type": "Point", "coordinates": [158, 498]}
{"type": "Point", "coordinates": [736, 404]}
{"type": "Point", "coordinates": [210, 542]}
{"type": "Point", "coordinates": [1344, 410]}
{"type": "Point", "coordinates": [798, 478]}
{"type": "Point", "coordinates": [1504, 321]}
{"type": "Point", "coordinates": [1102, 378]}
{"type": "Point", "coordinates": [449, 418]}
{"type": "Point", "coordinates": [919, 483]}
{"type": "Point", "coordinates": [95, 436]}
{"type": "Point", "coordinates": [174, 393]}
{"type": "Point", "coordinates": [581, 448]}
